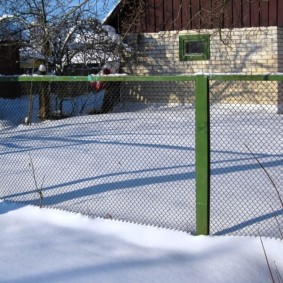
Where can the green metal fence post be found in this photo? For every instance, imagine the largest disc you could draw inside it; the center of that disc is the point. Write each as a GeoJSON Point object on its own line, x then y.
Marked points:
{"type": "Point", "coordinates": [202, 156]}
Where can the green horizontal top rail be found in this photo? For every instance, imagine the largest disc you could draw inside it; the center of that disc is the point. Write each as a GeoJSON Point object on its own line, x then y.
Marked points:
{"type": "Point", "coordinates": [43, 79]}
{"type": "Point", "coordinates": [108, 78]}
{"type": "Point", "coordinates": [243, 77]}
{"type": "Point", "coordinates": [126, 78]}
{"type": "Point", "coordinates": [130, 78]}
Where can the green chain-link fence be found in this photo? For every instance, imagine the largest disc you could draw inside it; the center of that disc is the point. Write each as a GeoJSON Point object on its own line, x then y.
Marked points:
{"type": "Point", "coordinates": [246, 133]}
{"type": "Point", "coordinates": [182, 152]}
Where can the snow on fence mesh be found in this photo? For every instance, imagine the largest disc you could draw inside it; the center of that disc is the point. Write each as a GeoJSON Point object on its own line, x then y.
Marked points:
{"type": "Point", "coordinates": [126, 150]}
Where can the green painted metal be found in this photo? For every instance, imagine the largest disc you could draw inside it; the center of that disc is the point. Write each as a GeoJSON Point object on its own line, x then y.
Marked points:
{"type": "Point", "coordinates": [108, 78]}
{"type": "Point", "coordinates": [202, 156]}
{"type": "Point", "coordinates": [243, 77]}
{"type": "Point", "coordinates": [43, 79]}
{"type": "Point", "coordinates": [123, 78]}
{"type": "Point", "coordinates": [130, 78]}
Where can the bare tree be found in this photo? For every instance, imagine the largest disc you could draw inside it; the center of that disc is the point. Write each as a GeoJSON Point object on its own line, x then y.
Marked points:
{"type": "Point", "coordinates": [58, 31]}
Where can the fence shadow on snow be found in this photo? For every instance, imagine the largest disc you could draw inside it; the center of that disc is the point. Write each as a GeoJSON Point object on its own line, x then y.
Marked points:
{"type": "Point", "coordinates": [163, 151]}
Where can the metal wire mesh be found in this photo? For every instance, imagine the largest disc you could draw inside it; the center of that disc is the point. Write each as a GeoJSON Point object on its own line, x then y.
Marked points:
{"type": "Point", "coordinates": [121, 150]}
{"type": "Point", "coordinates": [246, 132]}
{"type": "Point", "coordinates": [126, 150]}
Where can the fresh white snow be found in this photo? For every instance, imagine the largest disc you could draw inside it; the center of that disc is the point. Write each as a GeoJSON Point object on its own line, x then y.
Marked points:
{"type": "Point", "coordinates": [42, 245]}
{"type": "Point", "coordinates": [138, 165]}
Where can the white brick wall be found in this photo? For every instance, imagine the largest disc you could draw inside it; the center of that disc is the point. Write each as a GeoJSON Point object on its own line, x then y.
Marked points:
{"type": "Point", "coordinates": [249, 51]}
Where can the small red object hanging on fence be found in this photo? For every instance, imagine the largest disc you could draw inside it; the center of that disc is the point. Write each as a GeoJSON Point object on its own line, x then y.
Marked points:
{"type": "Point", "coordinates": [97, 86]}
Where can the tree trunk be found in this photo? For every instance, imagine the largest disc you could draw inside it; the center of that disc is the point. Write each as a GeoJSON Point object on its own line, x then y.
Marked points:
{"type": "Point", "coordinates": [44, 102]}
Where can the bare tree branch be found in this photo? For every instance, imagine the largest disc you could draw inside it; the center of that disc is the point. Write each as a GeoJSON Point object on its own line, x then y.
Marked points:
{"type": "Point", "coordinates": [58, 32]}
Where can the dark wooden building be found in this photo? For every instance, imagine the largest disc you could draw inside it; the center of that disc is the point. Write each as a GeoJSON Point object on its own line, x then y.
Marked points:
{"type": "Point", "coordinates": [207, 36]}
{"type": "Point", "coordinates": [167, 15]}
{"type": "Point", "coordinates": [9, 58]}
{"type": "Point", "coordinates": [10, 37]}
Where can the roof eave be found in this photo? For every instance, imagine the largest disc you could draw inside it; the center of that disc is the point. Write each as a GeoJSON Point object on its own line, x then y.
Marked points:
{"type": "Point", "coordinates": [112, 13]}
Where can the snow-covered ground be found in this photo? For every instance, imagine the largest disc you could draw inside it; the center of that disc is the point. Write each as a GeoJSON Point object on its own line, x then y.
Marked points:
{"type": "Point", "coordinates": [41, 245]}
{"type": "Point", "coordinates": [139, 165]}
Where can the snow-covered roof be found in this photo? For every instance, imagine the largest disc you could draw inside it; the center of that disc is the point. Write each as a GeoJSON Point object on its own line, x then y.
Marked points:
{"type": "Point", "coordinates": [112, 11]}
{"type": "Point", "coordinates": [30, 53]}
{"type": "Point", "coordinates": [11, 28]}
{"type": "Point", "coordinates": [91, 55]}
{"type": "Point", "coordinates": [5, 17]}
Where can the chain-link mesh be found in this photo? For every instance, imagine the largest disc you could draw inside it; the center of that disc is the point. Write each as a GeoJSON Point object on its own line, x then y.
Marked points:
{"type": "Point", "coordinates": [121, 150]}
{"type": "Point", "coordinates": [126, 150]}
{"type": "Point", "coordinates": [246, 138]}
